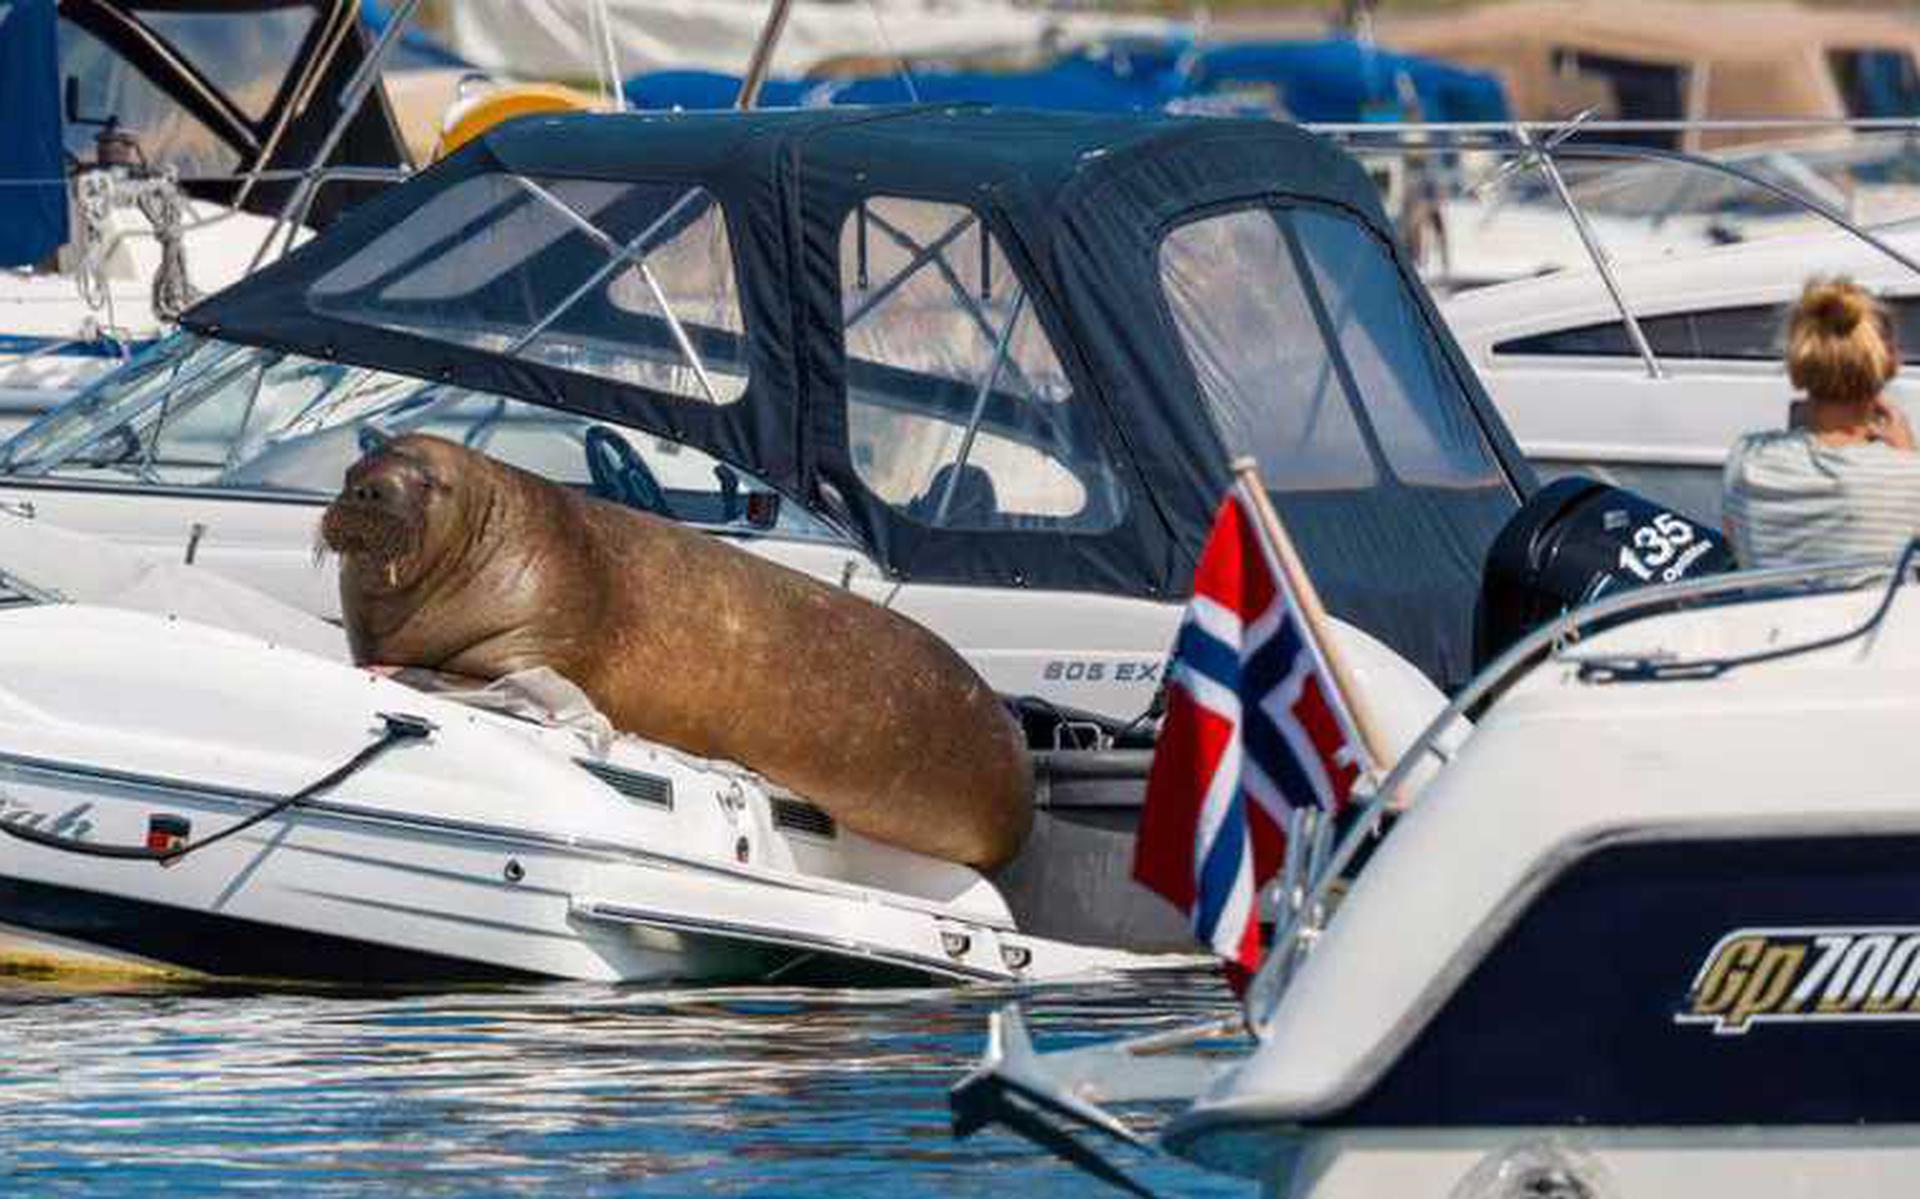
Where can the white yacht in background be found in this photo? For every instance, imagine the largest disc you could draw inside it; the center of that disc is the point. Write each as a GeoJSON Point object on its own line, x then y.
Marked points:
{"type": "Point", "coordinates": [1558, 358]}
{"type": "Point", "coordinates": [1515, 227]}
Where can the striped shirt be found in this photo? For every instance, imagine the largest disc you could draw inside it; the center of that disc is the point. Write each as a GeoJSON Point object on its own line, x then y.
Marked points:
{"type": "Point", "coordinates": [1789, 499]}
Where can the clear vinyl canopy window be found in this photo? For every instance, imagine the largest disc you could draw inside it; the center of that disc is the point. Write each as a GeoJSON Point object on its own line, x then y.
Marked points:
{"type": "Point", "coordinates": [199, 412]}
{"type": "Point", "coordinates": [959, 413]}
{"type": "Point", "coordinates": [1311, 352]}
{"type": "Point", "coordinates": [631, 282]}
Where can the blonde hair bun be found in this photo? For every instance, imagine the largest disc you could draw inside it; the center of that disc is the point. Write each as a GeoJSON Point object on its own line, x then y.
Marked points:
{"type": "Point", "coordinates": [1837, 308]}
{"type": "Point", "coordinates": [1840, 345]}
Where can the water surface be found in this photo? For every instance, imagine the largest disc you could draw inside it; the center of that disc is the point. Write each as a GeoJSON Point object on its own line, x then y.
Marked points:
{"type": "Point", "coordinates": [156, 1089]}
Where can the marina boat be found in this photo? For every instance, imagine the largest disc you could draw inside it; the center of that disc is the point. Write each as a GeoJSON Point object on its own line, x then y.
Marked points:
{"type": "Point", "coordinates": [1557, 356]}
{"type": "Point", "coordinates": [987, 367]}
{"type": "Point", "coordinates": [944, 334]}
{"type": "Point", "coordinates": [500, 835]}
{"type": "Point", "coordinates": [1639, 358]}
{"type": "Point", "coordinates": [158, 145]}
{"type": "Point", "coordinates": [1640, 933]}
{"type": "Point", "coordinates": [1482, 221]}
{"type": "Point", "coordinates": [1644, 370]}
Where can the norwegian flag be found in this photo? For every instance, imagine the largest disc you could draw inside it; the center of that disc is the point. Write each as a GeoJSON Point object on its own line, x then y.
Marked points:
{"type": "Point", "coordinates": [1255, 728]}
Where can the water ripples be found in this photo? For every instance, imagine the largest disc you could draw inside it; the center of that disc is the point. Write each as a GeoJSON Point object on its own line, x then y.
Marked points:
{"type": "Point", "coordinates": [152, 1090]}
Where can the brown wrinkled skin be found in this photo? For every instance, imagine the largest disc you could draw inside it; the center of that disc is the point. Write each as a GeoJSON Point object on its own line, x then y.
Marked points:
{"type": "Point", "coordinates": [455, 562]}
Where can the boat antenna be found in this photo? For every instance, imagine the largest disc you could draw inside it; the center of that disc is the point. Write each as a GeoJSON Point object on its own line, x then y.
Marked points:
{"type": "Point", "coordinates": [762, 60]}
{"type": "Point", "coordinates": [893, 52]}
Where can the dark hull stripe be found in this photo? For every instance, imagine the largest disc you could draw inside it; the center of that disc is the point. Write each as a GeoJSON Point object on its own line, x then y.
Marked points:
{"type": "Point", "coordinates": [1570, 1018]}
{"type": "Point", "coordinates": [226, 945]}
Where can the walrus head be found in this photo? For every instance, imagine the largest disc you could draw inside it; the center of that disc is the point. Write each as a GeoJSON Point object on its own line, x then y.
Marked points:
{"type": "Point", "coordinates": [383, 516]}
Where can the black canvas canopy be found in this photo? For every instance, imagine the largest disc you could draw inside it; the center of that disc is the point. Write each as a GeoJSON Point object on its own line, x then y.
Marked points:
{"type": "Point", "coordinates": [1121, 344]}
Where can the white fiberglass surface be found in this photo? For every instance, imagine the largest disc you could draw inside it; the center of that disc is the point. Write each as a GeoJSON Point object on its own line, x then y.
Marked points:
{"type": "Point", "coordinates": [200, 412]}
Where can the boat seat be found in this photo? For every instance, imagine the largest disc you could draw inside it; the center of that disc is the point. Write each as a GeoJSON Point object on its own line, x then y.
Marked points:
{"type": "Point", "coordinates": [975, 505]}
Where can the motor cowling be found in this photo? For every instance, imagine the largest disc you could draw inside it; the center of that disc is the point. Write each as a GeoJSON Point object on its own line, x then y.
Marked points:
{"type": "Point", "coordinates": [1578, 539]}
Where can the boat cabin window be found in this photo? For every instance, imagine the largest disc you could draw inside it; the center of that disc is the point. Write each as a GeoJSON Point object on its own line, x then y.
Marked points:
{"type": "Point", "coordinates": [959, 413]}
{"type": "Point", "coordinates": [1418, 412]}
{"type": "Point", "coordinates": [1877, 82]}
{"type": "Point", "coordinates": [1738, 333]}
{"type": "Point", "coordinates": [1633, 89]}
{"type": "Point", "coordinates": [200, 412]}
{"type": "Point", "coordinates": [1305, 341]}
{"type": "Point", "coordinates": [110, 86]}
{"type": "Point", "coordinates": [626, 281]}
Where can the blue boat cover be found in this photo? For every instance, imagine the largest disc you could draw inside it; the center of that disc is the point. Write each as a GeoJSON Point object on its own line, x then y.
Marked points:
{"type": "Point", "coordinates": [1332, 79]}
{"type": "Point", "coordinates": [33, 193]}
{"type": "Point", "coordinates": [1339, 79]}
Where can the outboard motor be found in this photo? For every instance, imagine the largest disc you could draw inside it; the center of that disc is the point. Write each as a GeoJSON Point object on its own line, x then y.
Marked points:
{"type": "Point", "coordinates": [1576, 540]}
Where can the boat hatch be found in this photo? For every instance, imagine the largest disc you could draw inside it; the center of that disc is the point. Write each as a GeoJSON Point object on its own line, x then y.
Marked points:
{"type": "Point", "coordinates": [996, 348]}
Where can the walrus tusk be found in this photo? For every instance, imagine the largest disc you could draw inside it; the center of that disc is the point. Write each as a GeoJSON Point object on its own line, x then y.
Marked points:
{"type": "Point", "coordinates": [684, 639]}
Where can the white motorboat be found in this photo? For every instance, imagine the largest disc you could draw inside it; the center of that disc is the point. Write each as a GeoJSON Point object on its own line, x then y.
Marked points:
{"type": "Point", "coordinates": [1641, 359]}
{"type": "Point", "coordinates": [158, 149]}
{"type": "Point", "coordinates": [1558, 358]}
{"type": "Point", "coordinates": [1647, 929]}
{"type": "Point", "coordinates": [503, 834]}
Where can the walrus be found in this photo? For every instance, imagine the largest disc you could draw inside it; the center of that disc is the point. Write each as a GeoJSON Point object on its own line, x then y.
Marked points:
{"type": "Point", "coordinates": [453, 561]}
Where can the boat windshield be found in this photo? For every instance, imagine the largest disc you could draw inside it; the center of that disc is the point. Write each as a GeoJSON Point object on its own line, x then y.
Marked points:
{"type": "Point", "coordinates": [196, 411]}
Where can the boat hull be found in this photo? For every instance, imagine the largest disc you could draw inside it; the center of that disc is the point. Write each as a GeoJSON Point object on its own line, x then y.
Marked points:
{"type": "Point", "coordinates": [1593, 1163]}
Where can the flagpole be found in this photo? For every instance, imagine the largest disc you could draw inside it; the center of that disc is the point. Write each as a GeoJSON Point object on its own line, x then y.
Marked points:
{"type": "Point", "coordinates": [1314, 613]}
{"type": "Point", "coordinates": [1262, 993]}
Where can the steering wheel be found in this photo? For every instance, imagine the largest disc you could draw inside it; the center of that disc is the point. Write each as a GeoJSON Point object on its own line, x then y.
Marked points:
{"type": "Point", "coordinates": [621, 475]}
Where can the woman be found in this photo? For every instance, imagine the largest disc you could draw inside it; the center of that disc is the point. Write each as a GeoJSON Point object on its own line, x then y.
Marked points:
{"type": "Point", "coordinates": [1844, 481]}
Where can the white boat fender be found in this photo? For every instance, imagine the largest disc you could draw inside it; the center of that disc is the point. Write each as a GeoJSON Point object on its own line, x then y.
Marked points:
{"type": "Point", "coordinates": [166, 838]}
